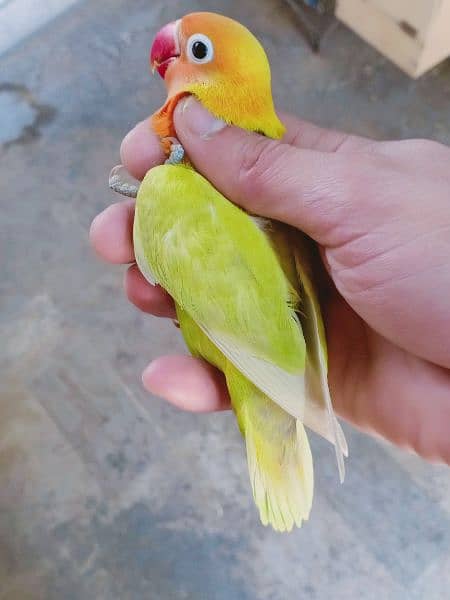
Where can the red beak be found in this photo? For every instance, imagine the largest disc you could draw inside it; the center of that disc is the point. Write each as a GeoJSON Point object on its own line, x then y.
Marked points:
{"type": "Point", "coordinates": [165, 48]}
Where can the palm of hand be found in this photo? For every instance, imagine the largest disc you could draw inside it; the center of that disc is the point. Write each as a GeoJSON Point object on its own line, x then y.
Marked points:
{"type": "Point", "coordinates": [381, 388]}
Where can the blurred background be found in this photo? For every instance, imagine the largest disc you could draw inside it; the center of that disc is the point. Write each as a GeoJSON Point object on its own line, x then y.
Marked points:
{"type": "Point", "coordinates": [106, 492]}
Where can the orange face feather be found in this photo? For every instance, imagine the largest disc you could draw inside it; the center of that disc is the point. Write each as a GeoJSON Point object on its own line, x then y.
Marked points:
{"type": "Point", "coordinates": [220, 62]}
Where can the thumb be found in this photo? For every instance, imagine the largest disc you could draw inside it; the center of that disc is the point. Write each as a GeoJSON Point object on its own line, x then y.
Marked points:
{"type": "Point", "coordinates": [305, 188]}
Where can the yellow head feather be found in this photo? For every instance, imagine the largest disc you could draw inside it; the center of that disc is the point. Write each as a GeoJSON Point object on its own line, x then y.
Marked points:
{"type": "Point", "coordinates": [234, 85]}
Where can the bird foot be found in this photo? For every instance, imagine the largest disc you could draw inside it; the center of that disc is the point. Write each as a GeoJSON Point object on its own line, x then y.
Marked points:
{"type": "Point", "coordinates": [176, 155]}
{"type": "Point", "coordinates": [122, 182]}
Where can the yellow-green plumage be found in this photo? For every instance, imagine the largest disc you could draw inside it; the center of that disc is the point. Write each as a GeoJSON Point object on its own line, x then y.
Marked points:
{"type": "Point", "coordinates": [243, 287]}
{"type": "Point", "coordinates": [218, 264]}
{"type": "Point", "coordinates": [227, 280]}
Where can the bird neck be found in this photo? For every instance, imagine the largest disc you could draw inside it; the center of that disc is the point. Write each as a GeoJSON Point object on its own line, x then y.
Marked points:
{"type": "Point", "coordinates": [249, 110]}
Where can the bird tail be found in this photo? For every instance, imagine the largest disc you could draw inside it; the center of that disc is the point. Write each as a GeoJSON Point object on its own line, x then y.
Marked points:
{"type": "Point", "coordinates": [278, 454]}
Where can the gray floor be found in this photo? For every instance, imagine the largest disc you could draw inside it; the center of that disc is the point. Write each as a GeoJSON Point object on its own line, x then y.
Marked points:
{"type": "Point", "coordinates": [105, 492]}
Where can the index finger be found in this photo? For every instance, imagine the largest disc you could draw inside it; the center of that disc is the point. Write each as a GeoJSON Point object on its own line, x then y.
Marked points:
{"type": "Point", "coordinates": [308, 136]}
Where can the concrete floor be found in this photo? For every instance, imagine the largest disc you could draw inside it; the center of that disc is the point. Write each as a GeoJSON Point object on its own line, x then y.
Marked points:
{"type": "Point", "coordinates": [108, 493]}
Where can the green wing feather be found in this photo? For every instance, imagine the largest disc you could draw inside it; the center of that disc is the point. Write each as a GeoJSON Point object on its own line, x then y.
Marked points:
{"type": "Point", "coordinates": [246, 303]}
{"type": "Point", "coordinates": [318, 413]}
{"type": "Point", "coordinates": [298, 254]}
{"type": "Point", "coordinates": [222, 269]}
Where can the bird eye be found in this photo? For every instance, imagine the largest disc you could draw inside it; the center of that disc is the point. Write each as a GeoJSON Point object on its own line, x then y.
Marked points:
{"type": "Point", "coordinates": [200, 48]}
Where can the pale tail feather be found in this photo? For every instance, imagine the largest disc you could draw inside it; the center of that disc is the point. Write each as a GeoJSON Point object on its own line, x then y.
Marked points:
{"type": "Point", "coordinates": [278, 455]}
{"type": "Point", "coordinates": [319, 413]}
{"type": "Point", "coordinates": [281, 476]}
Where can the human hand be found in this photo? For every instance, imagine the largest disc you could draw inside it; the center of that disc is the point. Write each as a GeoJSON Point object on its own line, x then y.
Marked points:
{"type": "Point", "coordinates": [381, 214]}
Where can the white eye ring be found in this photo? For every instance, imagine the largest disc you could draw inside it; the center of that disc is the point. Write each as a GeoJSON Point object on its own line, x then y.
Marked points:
{"type": "Point", "coordinates": [203, 39]}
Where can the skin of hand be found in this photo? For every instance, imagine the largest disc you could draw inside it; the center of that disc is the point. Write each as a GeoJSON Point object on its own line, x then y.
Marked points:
{"type": "Point", "coordinates": [380, 212]}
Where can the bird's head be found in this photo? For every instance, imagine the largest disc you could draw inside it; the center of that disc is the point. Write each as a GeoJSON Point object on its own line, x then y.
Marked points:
{"type": "Point", "coordinates": [220, 62]}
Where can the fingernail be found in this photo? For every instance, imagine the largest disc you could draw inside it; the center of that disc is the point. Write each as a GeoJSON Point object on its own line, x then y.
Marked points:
{"type": "Point", "coordinates": [156, 382]}
{"type": "Point", "coordinates": [154, 379]}
{"type": "Point", "coordinates": [147, 375]}
{"type": "Point", "coordinates": [198, 120]}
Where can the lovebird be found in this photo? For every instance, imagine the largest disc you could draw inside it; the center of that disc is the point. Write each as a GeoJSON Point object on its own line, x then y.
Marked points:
{"type": "Point", "coordinates": [243, 286]}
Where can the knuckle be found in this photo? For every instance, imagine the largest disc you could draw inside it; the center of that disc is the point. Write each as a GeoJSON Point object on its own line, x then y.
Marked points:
{"type": "Point", "coordinates": [407, 152]}
{"type": "Point", "coordinates": [258, 164]}
{"type": "Point", "coordinates": [431, 441]}
{"type": "Point", "coordinates": [421, 145]}
{"type": "Point", "coordinates": [357, 173]}
{"type": "Point", "coordinates": [348, 183]}
{"type": "Point", "coordinates": [363, 178]}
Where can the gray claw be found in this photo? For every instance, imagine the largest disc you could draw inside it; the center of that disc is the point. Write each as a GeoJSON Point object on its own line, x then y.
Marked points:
{"type": "Point", "coordinates": [120, 181]}
{"type": "Point", "coordinates": [176, 153]}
